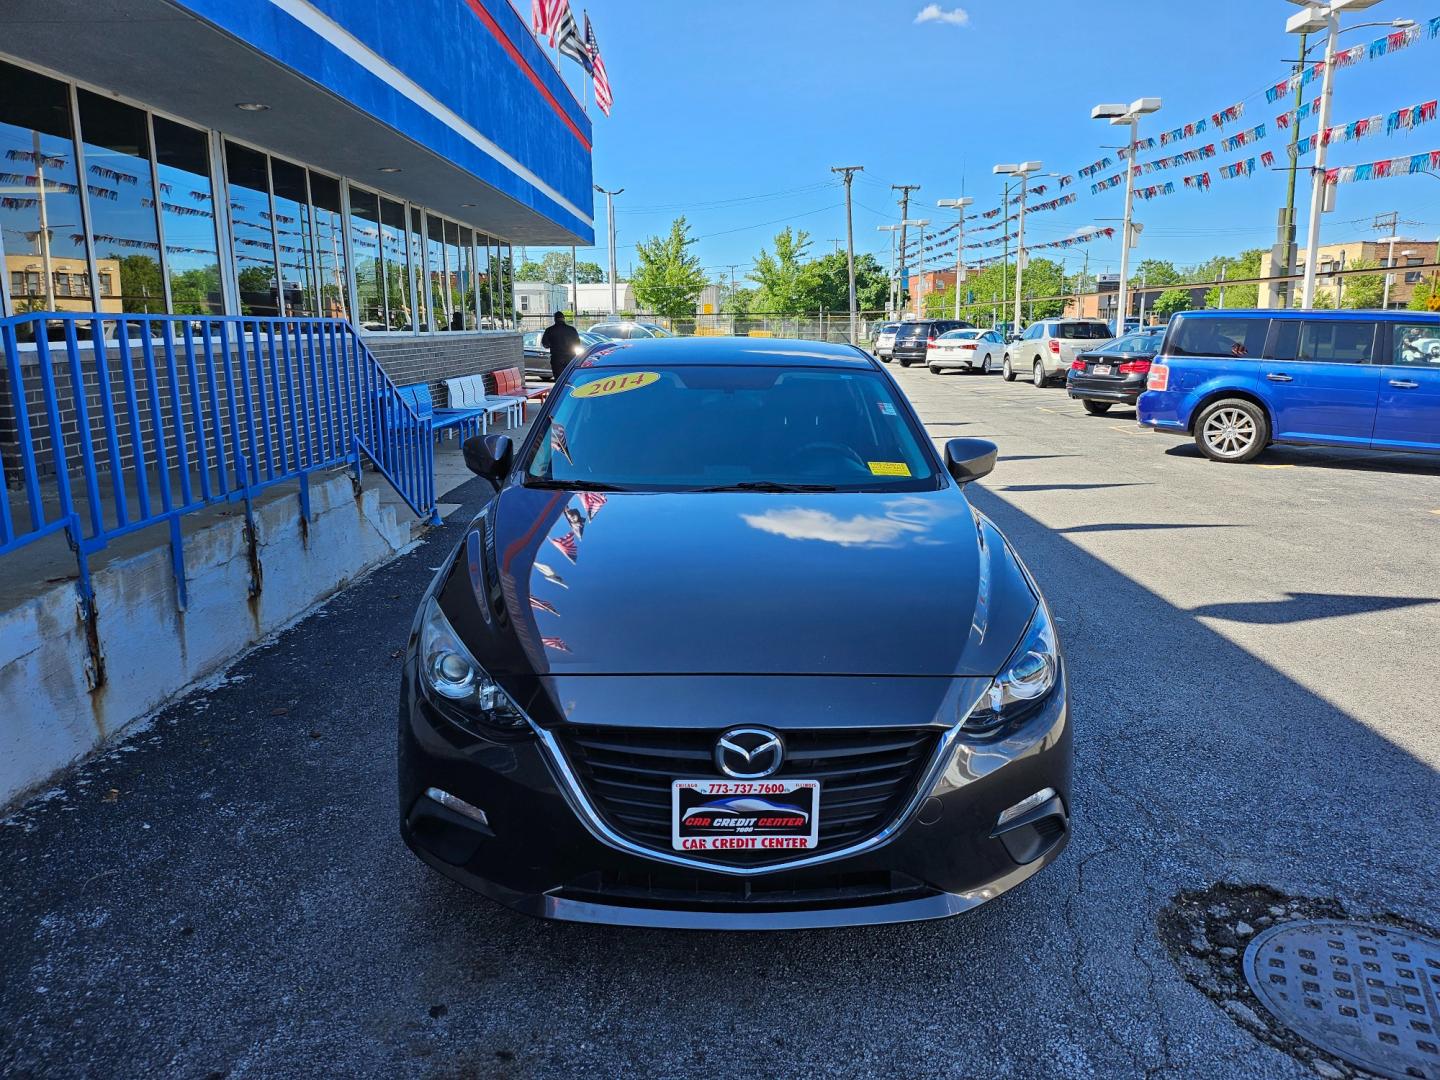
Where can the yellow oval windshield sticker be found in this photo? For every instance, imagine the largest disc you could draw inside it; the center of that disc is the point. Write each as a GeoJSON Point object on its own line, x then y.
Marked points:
{"type": "Point", "coordinates": [617, 384]}
{"type": "Point", "coordinates": [889, 468]}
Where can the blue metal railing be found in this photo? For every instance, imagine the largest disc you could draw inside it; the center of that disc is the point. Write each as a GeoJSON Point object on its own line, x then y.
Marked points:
{"type": "Point", "coordinates": [135, 420]}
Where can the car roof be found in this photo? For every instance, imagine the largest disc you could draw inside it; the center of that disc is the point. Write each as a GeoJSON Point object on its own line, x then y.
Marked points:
{"type": "Point", "coordinates": [731, 350]}
{"type": "Point", "coordinates": [1369, 315]}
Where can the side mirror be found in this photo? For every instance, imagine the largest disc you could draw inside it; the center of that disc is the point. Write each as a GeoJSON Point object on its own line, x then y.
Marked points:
{"type": "Point", "coordinates": [970, 459]}
{"type": "Point", "coordinates": [489, 456]}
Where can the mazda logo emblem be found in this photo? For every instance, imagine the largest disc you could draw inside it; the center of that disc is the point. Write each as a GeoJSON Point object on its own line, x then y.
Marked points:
{"type": "Point", "coordinates": [749, 753]}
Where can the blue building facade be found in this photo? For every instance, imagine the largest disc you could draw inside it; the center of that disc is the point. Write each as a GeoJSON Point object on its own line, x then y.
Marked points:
{"type": "Point", "coordinates": [364, 159]}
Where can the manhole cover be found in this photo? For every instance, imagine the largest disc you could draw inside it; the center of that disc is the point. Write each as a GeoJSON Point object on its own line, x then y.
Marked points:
{"type": "Point", "coordinates": [1369, 994]}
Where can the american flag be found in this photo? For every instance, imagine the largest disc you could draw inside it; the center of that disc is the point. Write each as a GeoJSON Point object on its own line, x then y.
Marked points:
{"type": "Point", "coordinates": [593, 501]}
{"type": "Point", "coordinates": [602, 80]}
{"type": "Point", "coordinates": [558, 644]}
{"type": "Point", "coordinates": [568, 35]}
{"type": "Point", "coordinates": [577, 521]}
{"type": "Point", "coordinates": [557, 441]}
{"type": "Point", "coordinates": [545, 18]}
{"type": "Point", "coordinates": [568, 545]}
{"type": "Point", "coordinates": [550, 575]}
{"type": "Point", "coordinates": [543, 605]}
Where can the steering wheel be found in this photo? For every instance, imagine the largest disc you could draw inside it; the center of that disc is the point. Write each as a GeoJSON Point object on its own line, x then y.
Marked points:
{"type": "Point", "coordinates": [847, 452]}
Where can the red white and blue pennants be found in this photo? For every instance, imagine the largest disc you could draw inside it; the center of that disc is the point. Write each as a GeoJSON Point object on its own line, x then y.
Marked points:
{"type": "Point", "coordinates": [1090, 170]}
{"type": "Point", "coordinates": [1283, 120]}
{"type": "Point", "coordinates": [1140, 144]}
{"type": "Point", "coordinates": [1409, 117]}
{"type": "Point", "coordinates": [1245, 167]}
{"type": "Point", "coordinates": [1108, 182]}
{"type": "Point", "coordinates": [1244, 138]}
{"type": "Point", "coordinates": [1380, 170]}
{"type": "Point", "coordinates": [1154, 191]}
{"type": "Point", "coordinates": [1052, 204]}
{"type": "Point", "coordinates": [1400, 39]}
{"type": "Point", "coordinates": [1228, 115]}
{"type": "Point", "coordinates": [1187, 157]}
{"type": "Point", "coordinates": [1189, 131]}
{"type": "Point", "coordinates": [1200, 182]}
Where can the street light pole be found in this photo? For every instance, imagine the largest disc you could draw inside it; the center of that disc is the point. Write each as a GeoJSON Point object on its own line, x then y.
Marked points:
{"type": "Point", "coordinates": [610, 214]}
{"type": "Point", "coordinates": [1128, 116]}
{"type": "Point", "coordinates": [1317, 172]}
{"type": "Point", "coordinates": [958, 205]}
{"type": "Point", "coordinates": [849, 171]}
{"type": "Point", "coordinates": [1022, 171]}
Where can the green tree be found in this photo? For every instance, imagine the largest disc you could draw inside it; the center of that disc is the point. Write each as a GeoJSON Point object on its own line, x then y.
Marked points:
{"type": "Point", "coordinates": [1427, 297]}
{"type": "Point", "coordinates": [140, 283]}
{"type": "Point", "coordinates": [1244, 265]}
{"type": "Point", "coordinates": [826, 284]}
{"type": "Point", "coordinates": [1364, 290]}
{"type": "Point", "coordinates": [782, 279]}
{"type": "Point", "coordinates": [1152, 272]}
{"type": "Point", "coordinates": [1171, 301]}
{"type": "Point", "coordinates": [668, 279]}
{"type": "Point", "coordinates": [554, 269]}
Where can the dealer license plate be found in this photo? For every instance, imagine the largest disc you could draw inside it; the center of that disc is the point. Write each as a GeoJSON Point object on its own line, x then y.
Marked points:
{"type": "Point", "coordinates": [744, 815]}
{"type": "Point", "coordinates": [1102, 369]}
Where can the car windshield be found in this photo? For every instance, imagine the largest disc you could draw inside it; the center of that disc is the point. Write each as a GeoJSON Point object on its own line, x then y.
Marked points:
{"type": "Point", "coordinates": [532, 339]}
{"type": "Point", "coordinates": [1083, 331]}
{"type": "Point", "coordinates": [657, 331]}
{"type": "Point", "coordinates": [730, 428]}
{"type": "Point", "coordinates": [913, 330]}
{"type": "Point", "coordinates": [606, 331]}
{"type": "Point", "coordinates": [954, 335]}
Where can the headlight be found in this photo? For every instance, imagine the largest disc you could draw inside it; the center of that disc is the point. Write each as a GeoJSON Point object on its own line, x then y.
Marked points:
{"type": "Point", "coordinates": [467, 694]}
{"type": "Point", "coordinates": [1022, 687]}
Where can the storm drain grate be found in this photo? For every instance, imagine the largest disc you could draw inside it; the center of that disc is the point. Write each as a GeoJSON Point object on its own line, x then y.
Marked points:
{"type": "Point", "coordinates": [1369, 994]}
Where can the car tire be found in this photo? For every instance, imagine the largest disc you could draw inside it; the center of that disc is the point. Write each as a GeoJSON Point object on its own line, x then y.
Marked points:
{"type": "Point", "coordinates": [904, 362]}
{"type": "Point", "coordinates": [882, 359]}
{"type": "Point", "coordinates": [1232, 430]}
{"type": "Point", "coordinates": [1096, 408]}
{"type": "Point", "coordinates": [1006, 371]}
{"type": "Point", "coordinates": [934, 370]}
{"type": "Point", "coordinates": [1037, 374]}
{"type": "Point", "coordinates": [985, 365]}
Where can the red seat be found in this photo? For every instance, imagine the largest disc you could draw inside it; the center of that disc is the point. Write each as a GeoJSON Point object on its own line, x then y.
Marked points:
{"type": "Point", "coordinates": [510, 382]}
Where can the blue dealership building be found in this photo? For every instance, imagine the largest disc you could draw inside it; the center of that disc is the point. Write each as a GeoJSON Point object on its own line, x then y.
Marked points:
{"type": "Point", "coordinates": [359, 159]}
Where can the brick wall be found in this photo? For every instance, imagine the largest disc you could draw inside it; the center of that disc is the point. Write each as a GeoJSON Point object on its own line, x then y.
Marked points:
{"type": "Point", "coordinates": [433, 360]}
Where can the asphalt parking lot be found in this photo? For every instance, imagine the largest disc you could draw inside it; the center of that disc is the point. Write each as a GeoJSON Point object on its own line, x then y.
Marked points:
{"type": "Point", "coordinates": [1251, 656]}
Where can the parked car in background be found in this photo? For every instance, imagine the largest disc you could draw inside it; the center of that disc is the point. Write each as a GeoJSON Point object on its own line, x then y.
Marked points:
{"type": "Point", "coordinates": [885, 340]}
{"type": "Point", "coordinates": [1046, 348]}
{"type": "Point", "coordinates": [537, 357]}
{"type": "Point", "coordinates": [969, 350]}
{"type": "Point", "coordinates": [627, 330]}
{"type": "Point", "coordinates": [912, 340]}
{"type": "Point", "coordinates": [1239, 380]}
{"type": "Point", "coordinates": [1115, 373]}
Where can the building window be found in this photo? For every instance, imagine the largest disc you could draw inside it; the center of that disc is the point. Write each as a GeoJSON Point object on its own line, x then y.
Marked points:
{"type": "Point", "coordinates": [330, 264]}
{"type": "Point", "coordinates": [394, 246]}
{"type": "Point", "coordinates": [187, 219]}
{"type": "Point", "coordinates": [524, 301]}
{"type": "Point", "coordinates": [293, 238]}
{"type": "Point", "coordinates": [38, 181]}
{"type": "Point", "coordinates": [365, 251]}
{"type": "Point", "coordinates": [107, 284]}
{"type": "Point", "coordinates": [123, 225]}
{"type": "Point", "coordinates": [439, 291]}
{"type": "Point", "coordinates": [248, 174]}
{"type": "Point", "coordinates": [467, 278]}
{"type": "Point", "coordinates": [418, 288]}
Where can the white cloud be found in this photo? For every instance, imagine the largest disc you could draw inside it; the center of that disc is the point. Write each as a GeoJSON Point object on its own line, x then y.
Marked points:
{"type": "Point", "coordinates": [862, 530]}
{"type": "Point", "coordinates": [935, 13]}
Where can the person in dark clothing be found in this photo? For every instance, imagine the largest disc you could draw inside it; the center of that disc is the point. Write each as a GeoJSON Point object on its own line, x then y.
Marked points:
{"type": "Point", "coordinates": [561, 339]}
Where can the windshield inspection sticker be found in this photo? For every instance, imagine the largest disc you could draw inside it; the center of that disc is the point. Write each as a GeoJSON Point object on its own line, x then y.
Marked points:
{"type": "Point", "coordinates": [889, 468]}
{"type": "Point", "coordinates": [886, 409]}
{"type": "Point", "coordinates": [617, 384]}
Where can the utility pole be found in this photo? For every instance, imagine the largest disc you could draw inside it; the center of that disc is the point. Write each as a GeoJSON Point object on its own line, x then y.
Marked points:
{"type": "Point", "coordinates": [610, 214]}
{"type": "Point", "coordinates": [574, 285]}
{"type": "Point", "coordinates": [1392, 222]}
{"type": "Point", "coordinates": [905, 190]}
{"type": "Point", "coordinates": [1286, 262]}
{"type": "Point", "coordinates": [848, 172]}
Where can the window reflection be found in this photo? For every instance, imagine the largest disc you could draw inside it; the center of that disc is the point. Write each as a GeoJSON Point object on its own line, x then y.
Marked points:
{"type": "Point", "coordinates": [365, 250]}
{"type": "Point", "coordinates": [329, 246]}
{"type": "Point", "coordinates": [43, 235]}
{"type": "Point", "coordinates": [453, 274]}
{"type": "Point", "coordinates": [417, 269]}
{"type": "Point", "coordinates": [293, 238]}
{"type": "Point", "coordinates": [187, 211]}
{"type": "Point", "coordinates": [393, 243]}
{"type": "Point", "coordinates": [482, 280]}
{"type": "Point", "coordinates": [467, 277]}
{"type": "Point", "coordinates": [250, 227]}
{"type": "Point", "coordinates": [436, 269]}
{"type": "Point", "coordinates": [122, 200]}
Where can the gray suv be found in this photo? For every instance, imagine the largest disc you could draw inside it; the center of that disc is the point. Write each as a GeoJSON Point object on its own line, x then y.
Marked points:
{"type": "Point", "coordinates": [1046, 348]}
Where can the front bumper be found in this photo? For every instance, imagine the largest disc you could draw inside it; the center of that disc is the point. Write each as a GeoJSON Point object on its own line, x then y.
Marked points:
{"type": "Point", "coordinates": [536, 855]}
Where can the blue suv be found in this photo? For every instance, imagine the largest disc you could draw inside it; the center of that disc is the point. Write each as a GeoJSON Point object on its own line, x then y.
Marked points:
{"type": "Point", "coordinates": [1240, 380]}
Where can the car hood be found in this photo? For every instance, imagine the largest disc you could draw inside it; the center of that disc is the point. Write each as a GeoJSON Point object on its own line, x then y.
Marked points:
{"type": "Point", "coordinates": [583, 583]}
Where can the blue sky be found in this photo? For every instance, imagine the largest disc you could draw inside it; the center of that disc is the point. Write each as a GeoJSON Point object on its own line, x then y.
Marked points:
{"type": "Point", "coordinates": [733, 114]}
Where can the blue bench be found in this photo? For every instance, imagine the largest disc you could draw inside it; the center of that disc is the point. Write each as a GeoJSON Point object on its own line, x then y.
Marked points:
{"type": "Point", "coordinates": [466, 421]}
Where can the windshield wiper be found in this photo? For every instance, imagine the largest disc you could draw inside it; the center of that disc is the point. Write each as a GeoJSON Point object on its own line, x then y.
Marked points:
{"type": "Point", "coordinates": [769, 485]}
{"type": "Point", "coordinates": [575, 485]}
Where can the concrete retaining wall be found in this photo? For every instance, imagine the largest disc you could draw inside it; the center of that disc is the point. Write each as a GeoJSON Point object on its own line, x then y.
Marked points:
{"type": "Point", "coordinates": [49, 717]}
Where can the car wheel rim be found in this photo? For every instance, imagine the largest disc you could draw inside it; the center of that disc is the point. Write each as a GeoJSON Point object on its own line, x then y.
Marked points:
{"type": "Point", "coordinates": [1229, 432]}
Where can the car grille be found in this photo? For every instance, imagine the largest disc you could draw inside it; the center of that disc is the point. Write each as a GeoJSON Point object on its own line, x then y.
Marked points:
{"type": "Point", "coordinates": [866, 778]}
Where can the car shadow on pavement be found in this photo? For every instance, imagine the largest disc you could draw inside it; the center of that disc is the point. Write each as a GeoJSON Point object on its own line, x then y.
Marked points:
{"type": "Point", "coordinates": [1140, 526]}
{"type": "Point", "coordinates": [1306, 607]}
{"type": "Point", "coordinates": [1306, 457]}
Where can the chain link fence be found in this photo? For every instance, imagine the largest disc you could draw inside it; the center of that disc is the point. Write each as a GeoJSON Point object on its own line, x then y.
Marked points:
{"type": "Point", "coordinates": [818, 326]}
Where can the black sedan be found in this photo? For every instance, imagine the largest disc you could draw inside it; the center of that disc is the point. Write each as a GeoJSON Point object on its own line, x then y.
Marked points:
{"type": "Point", "coordinates": [1115, 373]}
{"type": "Point", "coordinates": [730, 648]}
